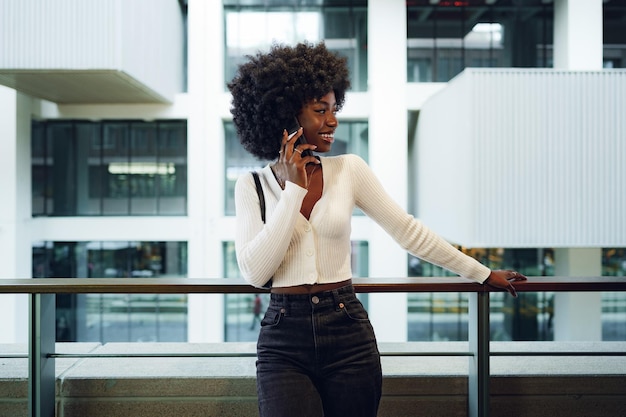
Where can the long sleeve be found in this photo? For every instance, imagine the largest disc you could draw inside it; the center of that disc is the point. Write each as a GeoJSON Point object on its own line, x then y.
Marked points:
{"type": "Point", "coordinates": [409, 232]}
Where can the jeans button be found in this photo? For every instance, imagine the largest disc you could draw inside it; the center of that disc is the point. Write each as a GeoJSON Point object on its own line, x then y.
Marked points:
{"type": "Point", "coordinates": [315, 299]}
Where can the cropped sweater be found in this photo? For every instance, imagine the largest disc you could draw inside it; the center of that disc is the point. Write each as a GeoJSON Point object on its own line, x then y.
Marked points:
{"type": "Point", "coordinates": [296, 251]}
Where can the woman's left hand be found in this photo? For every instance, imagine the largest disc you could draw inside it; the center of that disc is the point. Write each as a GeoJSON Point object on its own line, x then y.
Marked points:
{"type": "Point", "coordinates": [503, 278]}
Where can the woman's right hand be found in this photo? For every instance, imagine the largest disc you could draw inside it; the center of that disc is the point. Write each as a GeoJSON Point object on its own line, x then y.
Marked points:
{"type": "Point", "coordinates": [291, 164]}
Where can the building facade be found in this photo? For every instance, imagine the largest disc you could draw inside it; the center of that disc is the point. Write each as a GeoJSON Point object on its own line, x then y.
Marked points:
{"type": "Point", "coordinates": [119, 156]}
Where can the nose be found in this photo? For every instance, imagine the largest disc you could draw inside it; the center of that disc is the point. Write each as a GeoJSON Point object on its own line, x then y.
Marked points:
{"type": "Point", "coordinates": [332, 120]}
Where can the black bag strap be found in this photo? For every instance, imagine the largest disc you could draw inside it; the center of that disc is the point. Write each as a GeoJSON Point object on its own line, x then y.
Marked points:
{"type": "Point", "coordinates": [259, 191]}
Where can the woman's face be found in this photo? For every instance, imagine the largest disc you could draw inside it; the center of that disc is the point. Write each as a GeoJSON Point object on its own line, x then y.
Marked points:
{"type": "Point", "coordinates": [318, 120]}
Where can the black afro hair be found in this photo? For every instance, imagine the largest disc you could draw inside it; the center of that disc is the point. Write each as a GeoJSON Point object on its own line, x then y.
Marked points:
{"type": "Point", "coordinates": [271, 88]}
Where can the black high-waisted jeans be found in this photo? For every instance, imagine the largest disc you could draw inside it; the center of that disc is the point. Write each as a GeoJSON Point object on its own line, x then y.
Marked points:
{"type": "Point", "coordinates": [317, 356]}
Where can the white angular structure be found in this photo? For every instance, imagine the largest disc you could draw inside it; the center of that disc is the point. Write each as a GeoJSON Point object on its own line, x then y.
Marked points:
{"type": "Point", "coordinates": [532, 157]}
{"type": "Point", "coordinates": [75, 51]}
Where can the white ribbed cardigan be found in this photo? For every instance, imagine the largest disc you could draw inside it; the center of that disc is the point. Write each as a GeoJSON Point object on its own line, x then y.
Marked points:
{"type": "Point", "coordinates": [295, 251]}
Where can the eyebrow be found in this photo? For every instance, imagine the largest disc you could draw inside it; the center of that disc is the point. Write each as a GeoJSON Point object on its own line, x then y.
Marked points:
{"type": "Point", "coordinates": [325, 103]}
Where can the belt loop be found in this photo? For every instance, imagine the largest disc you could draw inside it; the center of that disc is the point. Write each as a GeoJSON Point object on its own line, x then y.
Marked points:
{"type": "Point", "coordinates": [284, 304]}
{"type": "Point", "coordinates": [336, 299]}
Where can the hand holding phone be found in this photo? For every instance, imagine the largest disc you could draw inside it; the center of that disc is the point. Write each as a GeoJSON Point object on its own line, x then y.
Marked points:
{"type": "Point", "coordinates": [292, 130]}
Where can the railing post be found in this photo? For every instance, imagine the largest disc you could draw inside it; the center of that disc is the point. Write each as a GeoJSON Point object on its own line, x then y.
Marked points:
{"type": "Point", "coordinates": [41, 380]}
{"type": "Point", "coordinates": [478, 335]}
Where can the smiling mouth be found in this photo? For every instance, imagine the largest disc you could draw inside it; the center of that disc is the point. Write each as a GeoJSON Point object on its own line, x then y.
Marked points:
{"type": "Point", "coordinates": [328, 137]}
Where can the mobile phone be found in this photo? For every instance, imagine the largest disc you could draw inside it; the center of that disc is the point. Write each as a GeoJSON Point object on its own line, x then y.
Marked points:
{"type": "Point", "coordinates": [292, 130]}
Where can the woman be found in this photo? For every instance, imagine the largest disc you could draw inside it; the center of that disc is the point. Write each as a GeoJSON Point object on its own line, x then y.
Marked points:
{"type": "Point", "coordinates": [317, 353]}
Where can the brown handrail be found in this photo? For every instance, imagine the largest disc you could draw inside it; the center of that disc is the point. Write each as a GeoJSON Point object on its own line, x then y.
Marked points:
{"type": "Point", "coordinates": [239, 286]}
{"type": "Point", "coordinates": [533, 284]}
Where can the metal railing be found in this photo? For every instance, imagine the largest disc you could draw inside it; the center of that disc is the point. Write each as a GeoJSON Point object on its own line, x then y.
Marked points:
{"type": "Point", "coordinates": [42, 293]}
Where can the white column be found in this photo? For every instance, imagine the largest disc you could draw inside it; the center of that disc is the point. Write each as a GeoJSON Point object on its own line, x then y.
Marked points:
{"type": "Point", "coordinates": [578, 46]}
{"type": "Point", "coordinates": [577, 316]}
{"type": "Point", "coordinates": [578, 34]}
{"type": "Point", "coordinates": [387, 43]}
{"type": "Point", "coordinates": [15, 211]}
{"type": "Point", "coordinates": [205, 143]}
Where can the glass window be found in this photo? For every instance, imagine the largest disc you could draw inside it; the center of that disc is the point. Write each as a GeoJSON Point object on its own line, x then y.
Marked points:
{"type": "Point", "coordinates": [89, 178]}
{"type": "Point", "coordinates": [613, 303]}
{"type": "Point", "coordinates": [144, 168]}
{"type": "Point", "coordinates": [257, 24]}
{"type": "Point", "coordinates": [39, 168]}
{"type": "Point", "coordinates": [350, 137]}
{"type": "Point", "coordinates": [443, 316]}
{"type": "Point", "coordinates": [62, 171]}
{"type": "Point", "coordinates": [115, 164]}
{"type": "Point", "coordinates": [614, 35]}
{"type": "Point", "coordinates": [447, 37]}
{"type": "Point", "coordinates": [109, 168]}
{"type": "Point", "coordinates": [241, 320]}
{"type": "Point", "coordinates": [172, 168]}
{"type": "Point", "coordinates": [116, 317]}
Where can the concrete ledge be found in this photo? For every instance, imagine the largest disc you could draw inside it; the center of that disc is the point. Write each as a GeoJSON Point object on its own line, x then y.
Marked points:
{"type": "Point", "coordinates": [413, 385]}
